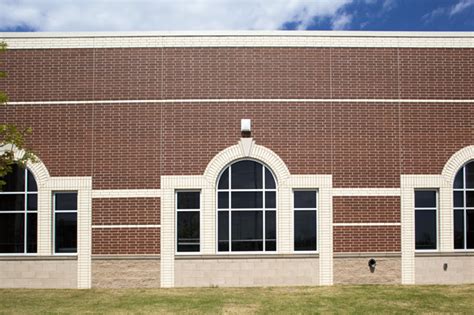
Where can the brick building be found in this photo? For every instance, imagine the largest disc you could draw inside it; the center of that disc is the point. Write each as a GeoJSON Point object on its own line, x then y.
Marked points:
{"type": "Point", "coordinates": [361, 146]}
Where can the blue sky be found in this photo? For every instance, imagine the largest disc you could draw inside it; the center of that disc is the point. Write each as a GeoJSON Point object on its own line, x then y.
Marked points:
{"type": "Point", "coordinates": [158, 15]}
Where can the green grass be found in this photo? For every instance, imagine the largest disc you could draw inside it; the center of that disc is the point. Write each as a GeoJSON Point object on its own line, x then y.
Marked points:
{"type": "Point", "coordinates": [286, 300]}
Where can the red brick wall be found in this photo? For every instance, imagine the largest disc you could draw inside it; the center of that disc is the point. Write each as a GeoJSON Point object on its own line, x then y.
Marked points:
{"type": "Point", "coordinates": [126, 241]}
{"type": "Point", "coordinates": [358, 209]}
{"type": "Point", "coordinates": [364, 239]}
{"type": "Point", "coordinates": [125, 211]}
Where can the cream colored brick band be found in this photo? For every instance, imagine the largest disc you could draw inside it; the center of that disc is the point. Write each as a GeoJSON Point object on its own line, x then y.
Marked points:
{"type": "Point", "coordinates": [240, 39]}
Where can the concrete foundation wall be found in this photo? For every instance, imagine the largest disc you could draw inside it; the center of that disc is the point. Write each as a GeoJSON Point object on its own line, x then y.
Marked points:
{"type": "Point", "coordinates": [239, 272]}
{"type": "Point", "coordinates": [430, 270]}
{"type": "Point", "coordinates": [125, 273]}
{"type": "Point", "coordinates": [356, 271]}
{"type": "Point", "coordinates": [40, 274]}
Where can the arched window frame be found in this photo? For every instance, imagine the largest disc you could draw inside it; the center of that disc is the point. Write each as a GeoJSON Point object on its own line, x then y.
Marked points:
{"type": "Point", "coordinates": [230, 209]}
{"type": "Point", "coordinates": [460, 193]}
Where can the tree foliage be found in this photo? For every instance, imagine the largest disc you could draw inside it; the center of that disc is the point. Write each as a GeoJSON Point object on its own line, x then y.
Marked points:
{"type": "Point", "coordinates": [12, 139]}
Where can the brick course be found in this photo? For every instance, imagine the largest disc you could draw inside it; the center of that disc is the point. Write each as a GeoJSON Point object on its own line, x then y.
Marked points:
{"type": "Point", "coordinates": [126, 241]}
{"type": "Point", "coordinates": [355, 239]}
{"type": "Point", "coordinates": [363, 209]}
{"type": "Point", "coordinates": [125, 211]}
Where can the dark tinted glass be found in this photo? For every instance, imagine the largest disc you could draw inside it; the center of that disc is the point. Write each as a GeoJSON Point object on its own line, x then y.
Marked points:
{"type": "Point", "coordinates": [12, 202]}
{"type": "Point", "coordinates": [458, 229]}
{"type": "Point", "coordinates": [469, 198]}
{"type": "Point", "coordinates": [247, 200]}
{"type": "Point", "coordinates": [66, 233]}
{"type": "Point", "coordinates": [270, 199]}
{"type": "Point", "coordinates": [247, 231]}
{"type": "Point", "coordinates": [31, 232]}
{"type": "Point", "coordinates": [66, 201]}
{"type": "Point", "coordinates": [470, 175]}
{"type": "Point", "coordinates": [31, 182]}
{"type": "Point", "coordinates": [458, 199]}
{"type": "Point", "coordinates": [188, 231]}
{"type": "Point", "coordinates": [188, 200]}
{"type": "Point", "coordinates": [305, 230]}
{"type": "Point", "coordinates": [459, 179]}
{"type": "Point", "coordinates": [12, 233]}
{"type": "Point", "coordinates": [470, 229]}
{"type": "Point", "coordinates": [269, 180]}
{"type": "Point", "coordinates": [305, 199]}
{"type": "Point", "coordinates": [15, 180]}
{"type": "Point", "coordinates": [425, 229]}
{"type": "Point", "coordinates": [223, 200]}
{"type": "Point", "coordinates": [425, 199]}
{"type": "Point", "coordinates": [246, 175]}
{"type": "Point", "coordinates": [32, 204]}
{"type": "Point", "coordinates": [223, 231]}
{"type": "Point", "coordinates": [270, 230]}
{"type": "Point", "coordinates": [224, 180]}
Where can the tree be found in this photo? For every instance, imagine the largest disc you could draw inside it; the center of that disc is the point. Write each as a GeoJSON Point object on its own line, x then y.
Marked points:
{"type": "Point", "coordinates": [12, 139]}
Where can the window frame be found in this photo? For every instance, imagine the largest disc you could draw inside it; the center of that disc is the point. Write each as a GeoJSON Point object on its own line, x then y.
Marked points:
{"type": "Point", "coordinates": [176, 210]}
{"type": "Point", "coordinates": [25, 212]}
{"type": "Point", "coordinates": [54, 211]}
{"type": "Point", "coordinates": [464, 208]}
{"type": "Point", "coordinates": [229, 210]}
{"type": "Point", "coordinates": [316, 191]}
{"type": "Point", "coordinates": [436, 209]}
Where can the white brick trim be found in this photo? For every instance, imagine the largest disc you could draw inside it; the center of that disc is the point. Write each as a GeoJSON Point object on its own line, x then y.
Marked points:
{"type": "Point", "coordinates": [127, 226]}
{"type": "Point", "coordinates": [368, 224]}
{"type": "Point", "coordinates": [366, 192]}
{"type": "Point", "coordinates": [239, 39]}
{"type": "Point", "coordinates": [126, 193]}
{"type": "Point", "coordinates": [456, 161]}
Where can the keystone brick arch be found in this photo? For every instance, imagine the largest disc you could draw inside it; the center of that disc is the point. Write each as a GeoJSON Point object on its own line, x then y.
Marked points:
{"type": "Point", "coordinates": [246, 148]}
{"type": "Point", "coordinates": [37, 168]}
{"type": "Point", "coordinates": [456, 161]}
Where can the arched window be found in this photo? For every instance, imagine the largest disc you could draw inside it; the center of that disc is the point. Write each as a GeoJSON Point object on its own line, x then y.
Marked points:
{"type": "Point", "coordinates": [246, 208]}
{"type": "Point", "coordinates": [18, 212]}
{"type": "Point", "coordinates": [463, 190]}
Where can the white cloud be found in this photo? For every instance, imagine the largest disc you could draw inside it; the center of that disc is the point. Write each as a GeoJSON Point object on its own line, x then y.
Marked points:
{"type": "Point", "coordinates": [341, 21]}
{"type": "Point", "coordinates": [461, 6]}
{"type": "Point", "coordinates": [148, 15]}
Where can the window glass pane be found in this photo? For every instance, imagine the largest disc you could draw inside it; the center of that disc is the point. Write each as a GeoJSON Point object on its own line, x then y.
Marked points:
{"type": "Point", "coordinates": [247, 200]}
{"type": "Point", "coordinates": [246, 175]}
{"type": "Point", "coordinates": [305, 230]}
{"type": "Point", "coordinates": [223, 200]}
{"type": "Point", "coordinates": [270, 230]}
{"type": "Point", "coordinates": [459, 199]}
{"type": "Point", "coordinates": [66, 233]}
{"type": "Point", "coordinates": [470, 175]}
{"type": "Point", "coordinates": [470, 229]}
{"type": "Point", "coordinates": [12, 202]}
{"type": "Point", "coordinates": [469, 198]}
{"type": "Point", "coordinates": [66, 201]}
{"type": "Point", "coordinates": [305, 199]}
{"type": "Point", "coordinates": [224, 180]}
{"type": "Point", "coordinates": [32, 203]}
{"type": "Point", "coordinates": [15, 180]}
{"type": "Point", "coordinates": [247, 231]}
{"type": "Point", "coordinates": [269, 180]}
{"type": "Point", "coordinates": [12, 233]}
{"type": "Point", "coordinates": [31, 232]}
{"type": "Point", "coordinates": [425, 199]}
{"type": "Point", "coordinates": [270, 199]}
{"type": "Point", "coordinates": [458, 229]}
{"type": "Point", "coordinates": [425, 229]}
{"type": "Point", "coordinates": [188, 200]}
{"type": "Point", "coordinates": [188, 231]}
{"type": "Point", "coordinates": [32, 182]}
{"type": "Point", "coordinates": [223, 233]}
{"type": "Point", "coordinates": [459, 179]}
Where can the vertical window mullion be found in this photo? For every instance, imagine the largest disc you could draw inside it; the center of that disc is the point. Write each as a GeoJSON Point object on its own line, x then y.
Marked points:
{"type": "Point", "coordinates": [230, 208]}
{"type": "Point", "coordinates": [25, 211]}
{"type": "Point", "coordinates": [264, 212]}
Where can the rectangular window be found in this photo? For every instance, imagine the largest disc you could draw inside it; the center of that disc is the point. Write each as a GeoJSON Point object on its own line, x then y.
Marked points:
{"type": "Point", "coordinates": [65, 222]}
{"type": "Point", "coordinates": [426, 208]}
{"type": "Point", "coordinates": [188, 207]}
{"type": "Point", "coordinates": [305, 220]}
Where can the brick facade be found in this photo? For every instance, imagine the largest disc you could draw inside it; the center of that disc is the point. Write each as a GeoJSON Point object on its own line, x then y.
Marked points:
{"type": "Point", "coordinates": [126, 211]}
{"type": "Point", "coordinates": [126, 241]}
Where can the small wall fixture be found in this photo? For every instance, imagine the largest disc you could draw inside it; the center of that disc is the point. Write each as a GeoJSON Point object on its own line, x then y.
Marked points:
{"type": "Point", "coordinates": [372, 263]}
{"type": "Point", "coordinates": [246, 125]}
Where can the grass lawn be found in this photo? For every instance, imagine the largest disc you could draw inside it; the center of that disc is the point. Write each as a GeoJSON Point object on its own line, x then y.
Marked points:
{"type": "Point", "coordinates": [284, 300]}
